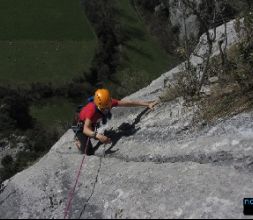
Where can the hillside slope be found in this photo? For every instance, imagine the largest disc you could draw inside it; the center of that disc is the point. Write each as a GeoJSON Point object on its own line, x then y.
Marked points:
{"type": "Point", "coordinates": [158, 166]}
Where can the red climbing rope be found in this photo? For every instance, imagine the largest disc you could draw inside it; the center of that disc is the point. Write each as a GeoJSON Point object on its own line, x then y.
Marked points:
{"type": "Point", "coordinates": [71, 193]}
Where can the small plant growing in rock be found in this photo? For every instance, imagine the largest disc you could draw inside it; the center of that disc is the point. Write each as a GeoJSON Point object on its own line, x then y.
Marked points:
{"type": "Point", "coordinates": [241, 56]}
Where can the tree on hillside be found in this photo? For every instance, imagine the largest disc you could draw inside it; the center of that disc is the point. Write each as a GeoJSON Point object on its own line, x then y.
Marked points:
{"type": "Point", "coordinates": [210, 14]}
{"type": "Point", "coordinates": [14, 113]}
{"type": "Point", "coordinates": [148, 4]}
{"type": "Point", "coordinates": [102, 15]}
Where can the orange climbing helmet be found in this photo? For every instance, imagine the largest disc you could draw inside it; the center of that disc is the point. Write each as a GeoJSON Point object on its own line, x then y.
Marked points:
{"type": "Point", "coordinates": [102, 99]}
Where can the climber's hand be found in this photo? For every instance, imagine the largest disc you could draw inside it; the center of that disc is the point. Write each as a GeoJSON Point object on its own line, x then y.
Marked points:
{"type": "Point", "coordinates": [103, 139]}
{"type": "Point", "coordinates": [152, 104]}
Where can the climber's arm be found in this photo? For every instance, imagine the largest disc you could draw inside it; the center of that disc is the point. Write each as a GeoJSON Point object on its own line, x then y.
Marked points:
{"type": "Point", "coordinates": [137, 103]}
{"type": "Point", "coordinates": [88, 131]}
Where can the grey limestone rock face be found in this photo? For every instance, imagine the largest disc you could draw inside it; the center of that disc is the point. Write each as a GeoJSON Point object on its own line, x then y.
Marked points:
{"type": "Point", "coordinates": [161, 164]}
{"type": "Point", "coordinates": [163, 168]}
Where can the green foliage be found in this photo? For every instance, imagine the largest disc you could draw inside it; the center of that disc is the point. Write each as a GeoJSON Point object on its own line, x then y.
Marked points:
{"type": "Point", "coordinates": [206, 9]}
{"type": "Point", "coordinates": [7, 123]}
{"type": "Point", "coordinates": [240, 6]}
{"type": "Point", "coordinates": [140, 51]}
{"type": "Point", "coordinates": [241, 56]}
{"type": "Point", "coordinates": [186, 84]}
{"type": "Point", "coordinates": [18, 109]}
{"type": "Point", "coordinates": [158, 23]}
{"type": "Point", "coordinates": [7, 172]}
{"type": "Point", "coordinates": [148, 4]}
{"type": "Point", "coordinates": [24, 159]}
{"type": "Point", "coordinates": [102, 15]}
{"type": "Point", "coordinates": [52, 112]}
{"type": "Point", "coordinates": [242, 65]}
{"type": "Point", "coordinates": [14, 113]}
{"type": "Point", "coordinates": [38, 142]}
{"type": "Point", "coordinates": [7, 161]}
{"type": "Point", "coordinates": [172, 92]}
{"type": "Point", "coordinates": [128, 81]}
{"type": "Point", "coordinates": [226, 100]}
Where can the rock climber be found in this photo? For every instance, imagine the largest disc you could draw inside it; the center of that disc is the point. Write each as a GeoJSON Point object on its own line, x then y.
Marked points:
{"type": "Point", "coordinates": [96, 111]}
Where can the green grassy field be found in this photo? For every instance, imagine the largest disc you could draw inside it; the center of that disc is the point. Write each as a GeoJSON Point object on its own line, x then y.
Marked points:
{"type": "Point", "coordinates": [43, 61]}
{"type": "Point", "coordinates": [44, 40]}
